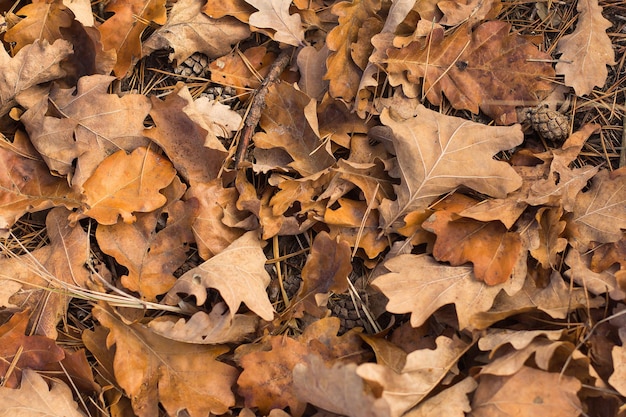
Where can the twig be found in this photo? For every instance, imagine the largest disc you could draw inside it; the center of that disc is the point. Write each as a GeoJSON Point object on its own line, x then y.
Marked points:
{"type": "Point", "coordinates": [258, 103]}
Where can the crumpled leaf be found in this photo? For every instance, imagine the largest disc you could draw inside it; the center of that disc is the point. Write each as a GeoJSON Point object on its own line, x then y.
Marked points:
{"type": "Point", "coordinates": [152, 369]}
{"type": "Point", "coordinates": [528, 393]}
{"type": "Point", "coordinates": [123, 184]}
{"type": "Point", "coordinates": [122, 32]}
{"type": "Point", "coordinates": [34, 398]}
{"type": "Point", "coordinates": [423, 371]}
{"type": "Point", "coordinates": [238, 273]}
{"type": "Point", "coordinates": [587, 51]}
{"type": "Point", "coordinates": [275, 15]}
{"type": "Point", "coordinates": [32, 65]}
{"type": "Point", "coordinates": [438, 153]}
{"type": "Point", "coordinates": [487, 69]}
{"type": "Point", "coordinates": [337, 389]}
{"type": "Point", "coordinates": [188, 31]}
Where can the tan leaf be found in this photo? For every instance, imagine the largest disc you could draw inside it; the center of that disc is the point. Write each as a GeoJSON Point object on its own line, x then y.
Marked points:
{"type": "Point", "coordinates": [337, 389]}
{"type": "Point", "coordinates": [82, 11]}
{"type": "Point", "coordinates": [275, 15]}
{"type": "Point", "coordinates": [456, 12]}
{"type": "Point", "coordinates": [527, 393]}
{"type": "Point", "coordinates": [152, 369]}
{"type": "Point", "coordinates": [423, 371]}
{"type": "Point", "coordinates": [188, 31]}
{"type": "Point", "coordinates": [452, 402]}
{"type": "Point", "coordinates": [32, 65]}
{"type": "Point", "coordinates": [618, 377]}
{"type": "Point", "coordinates": [238, 273]}
{"type": "Point", "coordinates": [549, 230]}
{"type": "Point", "coordinates": [236, 8]}
{"type": "Point", "coordinates": [34, 398]}
{"type": "Point", "coordinates": [594, 282]}
{"type": "Point", "coordinates": [123, 184]}
{"type": "Point", "coordinates": [312, 67]}
{"type": "Point", "coordinates": [488, 69]}
{"type": "Point", "coordinates": [201, 328]}
{"type": "Point", "coordinates": [438, 153]}
{"type": "Point", "coordinates": [242, 71]}
{"type": "Point", "coordinates": [587, 51]}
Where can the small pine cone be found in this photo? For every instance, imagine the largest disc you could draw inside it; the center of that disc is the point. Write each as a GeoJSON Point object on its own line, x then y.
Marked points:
{"type": "Point", "coordinates": [194, 66]}
{"type": "Point", "coordinates": [550, 124]}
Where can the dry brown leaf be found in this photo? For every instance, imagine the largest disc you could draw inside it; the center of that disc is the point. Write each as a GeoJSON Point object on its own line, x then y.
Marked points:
{"type": "Point", "coordinates": [43, 20]}
{"type": "Point", "coordinates": [337, 389]}
{"type": "Point", "coordinates": [438, 153]}
{"type": "Point", "coordinates": [236, 8]}
{"type": "Point", "coordinates": [34, 64]}
{"type": "Point", "coordinates": [153, 370]}
{"type": "Point", "coordinates": [527, 393]}
{"type": "Point", "coordinates": [456, 12]}
{"type": "Point", "coordinates": [423, 371]}
{"type": "Point", "coordinates": [587, 51]}
{"type": "Point", "coordinates": [88, 124]}
{"type": "Point", "coordinates": [238, 273]}
{"type": "Point", "coordinates": [122, 32]}
{"type": "Point", "coordinates": [82, 11]}
{"type": "Point", "coordinates": [594, 282]}
{"type": "Point", "coordinates": [452, 402]}
{"type": "Point", "coordinates": [618, 353]}
{"type": "Point", "coordinates": [242, 71]}
{"type": "Point", "coordinates": [188, 31]}
{"type": "Point", "coordinates": [123, 184]}
{"type": "Point", "coordinates": [488, 69]}
{"type": "Point", "coordinates": [312, 67]}
{"type": "Point", "coordinates": [35, 398]}
{"type": "Point", "coordinates": [275, 15]}
{"type": "Point", "coordinates": [549, 229]}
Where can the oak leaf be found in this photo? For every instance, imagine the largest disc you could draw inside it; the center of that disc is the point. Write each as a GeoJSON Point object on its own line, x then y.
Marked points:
{"type": "Point", "coordinates": [152, 369]}
{"type": "Point", "coordinates": [35, 398]}
{"type": "Point", "coordinates": [188, 31]}
{"type": "Point", "coordinates": [238, 273]}
{"type": "Point", "coordinates": [34, 64]}
{"type": "Point", "coordinates": [529, 392]}
{"type": "Point", "coordinates": [587, 51]}
{"type": "Point", "coordinates": [312, 66]}
{"type": "Point", "coordinates": [87, 124]}
{"type": "Point", "coordinates": [488, 69]}
{"type": "Point", "coordinates": [451, 402]}
{"type": "Point", "coordinates": [419, 285]}
{"type": "Point", "coordinates": [618, 377]}
{"type": "Point", "coordinates": [43, 20]}
{"type": "Point", "coordinates": [239, 9]}
{"type": "Point", "coordinates": [594, 282]}
{"type": "Point", "coordinates": [423, 371]}
{"type": "Point", "coordinates": [438, 153]}
{"type": "Point", "coordinates": [456, 12]}
{"type": "Point", "coordinates": [275, 15]}
{"type": "Point", "coordinates": [242, 70]}
{"type": "Point", "coordinates": [122, 31]}
{"type": "Point", "coordinates": [549, 229]}
{"type": "Point", "coordinates": [126, 183]}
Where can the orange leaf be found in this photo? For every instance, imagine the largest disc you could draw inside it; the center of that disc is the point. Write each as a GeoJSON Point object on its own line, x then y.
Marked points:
{"type": "Point", "coordinates": [235, 70]}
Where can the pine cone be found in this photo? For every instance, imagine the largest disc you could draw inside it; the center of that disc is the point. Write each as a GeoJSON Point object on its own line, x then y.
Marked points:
{"type": "Point", "coordinates": [194, 66]}
{"type": "Point", "coordinates": [550, 124]}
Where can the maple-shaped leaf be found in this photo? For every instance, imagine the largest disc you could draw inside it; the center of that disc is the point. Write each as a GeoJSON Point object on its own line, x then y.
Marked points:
{"type": "Point", "coordinates": [152, 369]}
{"type": "Point", "coordinates": [34, 64]}
{"type": "Point", "coordinates": [126, 183]}
{"type": "Point", "coordinates": [151, 251]}
{"type": "Point", "coordinates": [438, 153]}
{"type": "Point", "coordinates": [267, 378]}
{"type": "Point", "coordinates": [188, 31]}
{"type": "Point", "coordinates": [45, 272]}
{"type": "Point", "coordinates": [422, 372]}
{"type": "Point", "coordinates": [23, 351]}
{"type": "Point", "coordinates": [26, 185]}
{"type": "Point", "coordinates": [202, 328]}
{"type": "Point", "coordinates": [122, 31]}
{"type": "Point", "coordinates": [275, 15]}
{"type": "Point", "coordinates": [43, 20]}
{"type": "Point", "coordinates": [198, 154]}
{"type": "Point", "coordinates": [587, 51]}
{"type": "Point", "coordinates": [419, 285]}
{"type": "Point", "coordinates": [85, 123]}
{"type": "Point", "coordinates": [337, 389]}
{"type": "Point", "coordinates": [238, 273]}
{"type": "Point", "coordinates": [287, 129]}
{"type": "Point", "coordinates": [35, 398]}
{"type": "Point", "coordinates": [527, 393]}
{"type": "Point", "coordinates": [487, 69]}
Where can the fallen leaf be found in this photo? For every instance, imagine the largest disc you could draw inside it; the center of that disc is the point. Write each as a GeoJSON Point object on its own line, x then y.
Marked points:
{"type": "Point", "coordinates": [456, 12]}
{"type": "Point", "coordinates": [34, 398]}
{"type": "Point", "coordinates": [153, 370]}
{"type": "Point", "coordinates": [618, 377]}
{"type": "Point", "coordinates": [587, 51]}
{"type": "Point", "coordinates": [275, 15]}
{"type": "Point", "coordinates": [337, 389]}
{"type": "Point", "coordinates": [452, 402]}
{"type": "Point", "coordinates": [238, 273]}
{"type": "Point", "coordinates": [312, 67]}
{"type": "Point", "coordinates": [529, 392]}
{"type": "Point", "coordinates": [242, 71]}
{"type": "Point", "coordinates": [438, 153]}
{"type": "Point", "coordinates": [423, 371]}
{"type": "Point", "coordinates": [595, 282]}
{"type": "Point", "coordinates": [549, 230]}
{"type": "Point", "coordinates": [82, 11]}
{"type": "Point", "coordinates": [34, 64]}
{"type": "Point", "coordinates": [236, 8]}
{"type": "Point", "coordinates": [188, 31]}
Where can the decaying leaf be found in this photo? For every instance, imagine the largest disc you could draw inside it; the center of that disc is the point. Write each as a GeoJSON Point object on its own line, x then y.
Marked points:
{"type": "Point", "coordinates": [452, 402]}
{"type": "Point", "coordinates": [275, 15]}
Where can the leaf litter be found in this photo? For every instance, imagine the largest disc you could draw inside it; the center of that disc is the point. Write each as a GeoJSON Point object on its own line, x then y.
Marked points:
{"type": "Point", "coordinates": [338, 209]}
